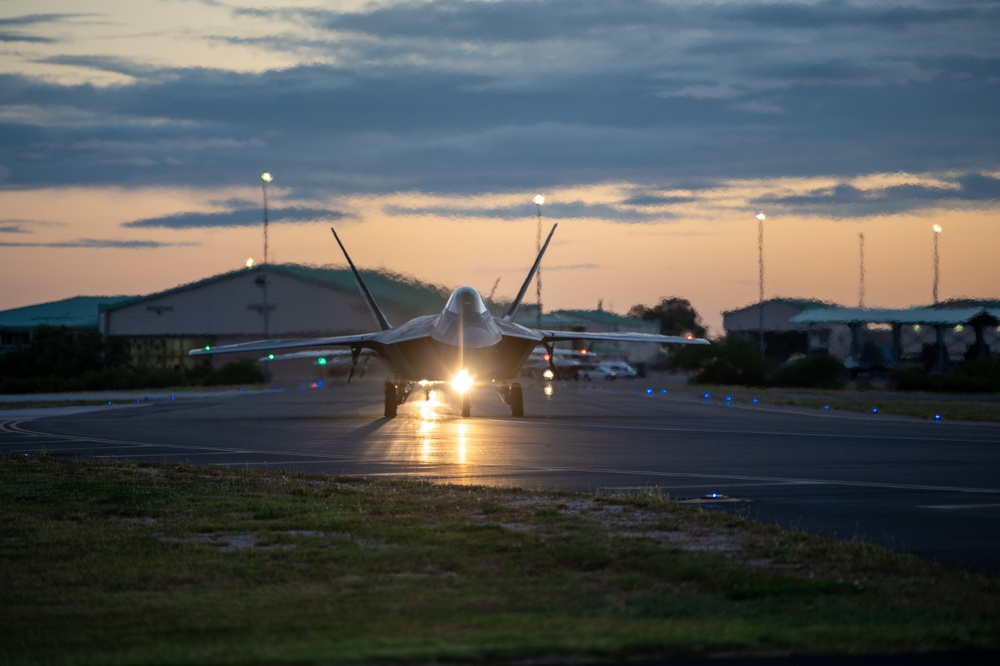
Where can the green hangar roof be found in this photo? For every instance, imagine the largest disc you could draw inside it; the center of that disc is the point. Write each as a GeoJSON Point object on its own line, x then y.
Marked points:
{"type": "Point", "coordinates": [77, 312]}
{"type": "Point", "coordinates": [385, 286]}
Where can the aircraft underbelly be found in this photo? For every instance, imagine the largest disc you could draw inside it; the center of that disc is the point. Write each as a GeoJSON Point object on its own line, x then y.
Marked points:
{"type": "Point", "coordinates": [429, 359]}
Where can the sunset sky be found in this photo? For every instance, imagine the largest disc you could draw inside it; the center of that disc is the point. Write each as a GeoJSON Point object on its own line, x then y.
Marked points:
{"type": "Point", "coordinates": [133, 135]}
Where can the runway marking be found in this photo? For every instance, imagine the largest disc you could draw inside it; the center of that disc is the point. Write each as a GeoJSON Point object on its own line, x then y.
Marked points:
{"type": "Point", "coordinates": [781, 433]}
{"type": "Point", "coordinates": [417, 468]}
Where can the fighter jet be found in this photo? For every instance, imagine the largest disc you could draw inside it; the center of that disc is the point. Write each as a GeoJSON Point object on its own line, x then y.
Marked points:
{"type": "Point", "coordinates": [462, 345]}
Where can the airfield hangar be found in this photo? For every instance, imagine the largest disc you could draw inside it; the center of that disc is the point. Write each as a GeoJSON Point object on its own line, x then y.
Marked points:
{"type": "Point", "coordinates": [933, 336]}
{"type": "Point", "coordinates": [267, 301]}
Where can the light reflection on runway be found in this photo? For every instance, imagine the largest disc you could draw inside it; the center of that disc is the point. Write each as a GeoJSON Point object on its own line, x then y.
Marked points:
{"type": "Point", "coordinates": [428, 432]}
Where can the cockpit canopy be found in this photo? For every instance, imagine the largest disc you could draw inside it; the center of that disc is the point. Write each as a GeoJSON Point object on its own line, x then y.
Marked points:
{"type": "Point", "coordinates": [466, 300]}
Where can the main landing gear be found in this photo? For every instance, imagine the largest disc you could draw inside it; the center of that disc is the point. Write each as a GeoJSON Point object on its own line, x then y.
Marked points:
{"type": "Point", "coordinates": [513, 396]}
{"type": "Point", "coordinates": [391, 400]}
{"type": "Point", "coordinates": [396, 395]}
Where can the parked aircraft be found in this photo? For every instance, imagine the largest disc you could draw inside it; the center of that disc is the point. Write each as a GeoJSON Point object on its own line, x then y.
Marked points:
{"type": "Point", "coordinates": [463, 345]}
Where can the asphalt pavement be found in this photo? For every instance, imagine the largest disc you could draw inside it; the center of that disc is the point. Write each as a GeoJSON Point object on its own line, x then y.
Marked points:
{"type": "Point", "coordinates": [919, 486]}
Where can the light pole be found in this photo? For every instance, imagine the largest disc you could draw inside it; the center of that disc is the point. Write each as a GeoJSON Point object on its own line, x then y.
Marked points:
{"type": "Point", "coordinates": [539, 200]}
{"type": "Point", "coordinates": [937, 273]}
{"type": "Point", "coordinates": [760, 296]}
{"type": "Point", "coordinates": [265, 178]}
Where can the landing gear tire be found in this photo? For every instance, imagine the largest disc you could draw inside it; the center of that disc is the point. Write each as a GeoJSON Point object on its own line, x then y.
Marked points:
{"type": "Point", "coordinates": [391, 400]}
{"type": "Point", "coordinates": [516, 400]}
{"type": "Point", "coordinates": [466, 405]}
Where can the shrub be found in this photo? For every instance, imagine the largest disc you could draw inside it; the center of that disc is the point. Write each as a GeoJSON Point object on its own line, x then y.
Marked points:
{"type": "Point", "coordinates": [815, 371]}
{"type": "Point", "coordinates": [734, 360]}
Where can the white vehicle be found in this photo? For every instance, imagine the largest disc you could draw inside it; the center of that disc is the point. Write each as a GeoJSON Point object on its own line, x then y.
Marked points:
{"type": "Point", "coordinates": [612, 370]}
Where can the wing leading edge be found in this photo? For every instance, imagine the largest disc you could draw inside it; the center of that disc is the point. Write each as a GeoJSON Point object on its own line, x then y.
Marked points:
{"type": "Point", "coordinates": [359, 340]}
{"type": "Point", "coordinates": [565, 336]}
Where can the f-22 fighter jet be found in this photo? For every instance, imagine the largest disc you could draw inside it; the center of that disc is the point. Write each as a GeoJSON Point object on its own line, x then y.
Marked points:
{"type": "Point", "coordinates": [464, 344]}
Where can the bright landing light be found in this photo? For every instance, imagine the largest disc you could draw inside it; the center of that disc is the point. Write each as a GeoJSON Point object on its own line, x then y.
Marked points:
{"type": "Point", "coordinates": [462, 382]}
{"type": "Point", "coordinates": [539, 199]}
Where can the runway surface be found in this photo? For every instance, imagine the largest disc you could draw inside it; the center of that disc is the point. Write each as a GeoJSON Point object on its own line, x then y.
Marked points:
{"type": "Point", "coordinates": [923, 487]}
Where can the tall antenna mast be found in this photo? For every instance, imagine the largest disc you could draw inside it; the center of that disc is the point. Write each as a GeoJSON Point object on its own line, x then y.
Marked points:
{"type": "Point", "coordinates": [539, 200]}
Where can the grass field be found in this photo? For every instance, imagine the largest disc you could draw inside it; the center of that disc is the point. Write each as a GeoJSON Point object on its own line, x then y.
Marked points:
{"type": "Point", "coordinates": [121, 563]}
{"type": "Point", "coordinates": [943, 406]}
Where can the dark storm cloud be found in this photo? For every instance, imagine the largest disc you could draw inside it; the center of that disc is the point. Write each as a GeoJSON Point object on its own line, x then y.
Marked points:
{"type": "Point", "coordinates": [247, 217]}
{"type": "Point", "coordinates": [847, 201]}
{"type": "Point", "coordinates": [456, 97]}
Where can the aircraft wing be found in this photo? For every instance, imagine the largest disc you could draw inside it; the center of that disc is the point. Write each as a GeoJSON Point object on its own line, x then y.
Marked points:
{"type": "Point", "coordinates": [562, 336]}
{"type": "Point", "coordinates": [272, 345]}
{"type": "Point", "coordinates": [329, 354]}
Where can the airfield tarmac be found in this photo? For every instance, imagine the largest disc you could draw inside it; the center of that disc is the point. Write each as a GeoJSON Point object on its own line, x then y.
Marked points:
{"type": "Point", "coordinates": [927, 488]}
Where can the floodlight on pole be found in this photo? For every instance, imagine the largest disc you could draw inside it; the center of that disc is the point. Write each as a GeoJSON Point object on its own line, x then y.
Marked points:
{"type": "Point", "coordinates": [937, 272]}
{"type": "Point", "coordinates": [760, 265]}
{"type": "Point", "coordinates": [265, 178]}
{"type": "Point", "coordinates": [539, 200]}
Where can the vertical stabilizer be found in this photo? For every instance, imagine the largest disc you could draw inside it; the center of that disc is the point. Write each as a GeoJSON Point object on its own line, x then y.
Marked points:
{"type": "Point", "coordinates": [511, 310]}
{"type": "Point", "coordinates": [382, 321]}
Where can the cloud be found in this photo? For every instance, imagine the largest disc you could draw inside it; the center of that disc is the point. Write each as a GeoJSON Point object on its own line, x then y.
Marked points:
{"type": "Point", "coordinates": [845, 200]}
{"type": "Point", "coordinates": [22, 226]}
{"type": "Point", "coordinates": [572, 210]}
{"type": "Point", "coordinates": [456, 97]}
{"type": "Point", "coordinates": [95, 243]}
{"type": "Point", "coordinates": [657, 200]}
{"type": "Point", "coordinates": [246, 217]}
{"type": "Point", "coordinates": [16, 37]}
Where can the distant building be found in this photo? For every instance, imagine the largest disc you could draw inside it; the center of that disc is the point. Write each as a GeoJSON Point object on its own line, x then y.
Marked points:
{"type": "Point", "coordinates": [78, 313]}
{"type": "Point", "coordinates": [783, 336]}
{"type": "Point", "coordinates": [267, 301]}
{"type": "Point", "coordinates": [932, 336]}
{"type": "Point", "coordinates": [598, 321]}
{"type": "Point", "coordinates": [929, 336]}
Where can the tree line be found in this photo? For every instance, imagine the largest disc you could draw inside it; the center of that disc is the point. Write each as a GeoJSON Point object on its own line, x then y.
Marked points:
{"type": "Point", "coordinates": [62, 359]}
